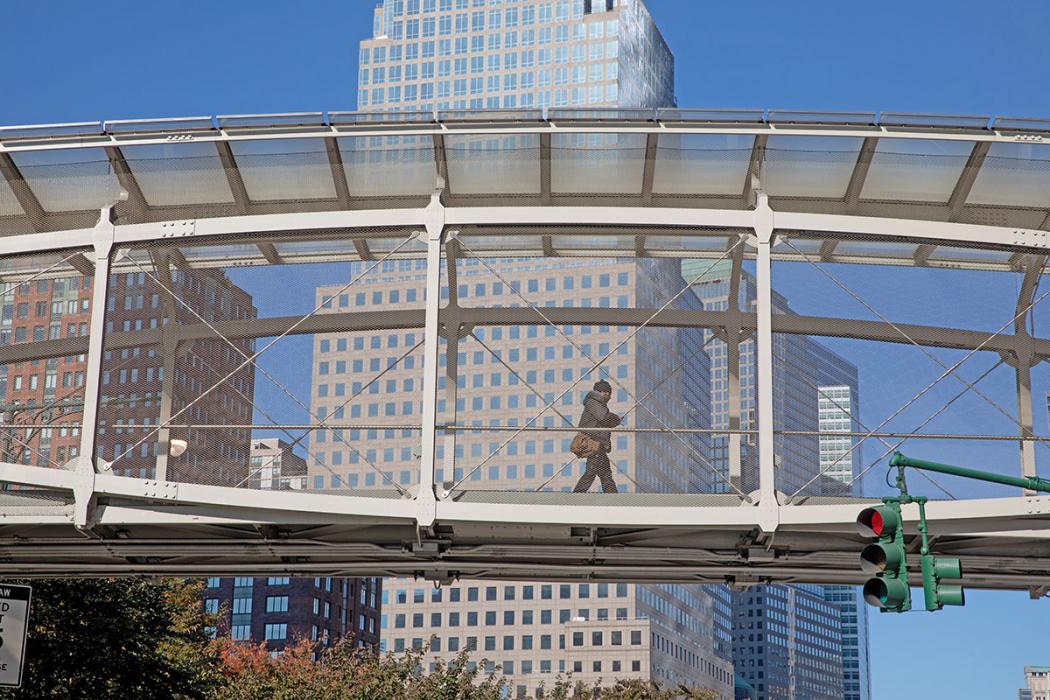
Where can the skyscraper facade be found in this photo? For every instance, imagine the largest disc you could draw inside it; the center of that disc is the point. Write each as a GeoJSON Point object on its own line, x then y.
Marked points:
{"type": "Point", "coordinates": [513, 54]}
{"type": "Point", "coordinates": [823, 653]}
{"type": "Point", "coordinates": [530, 631]}
{"type": "Point", "coordinates": [839, 461]}
{"type": "Point", "coordinates": [787, 642]}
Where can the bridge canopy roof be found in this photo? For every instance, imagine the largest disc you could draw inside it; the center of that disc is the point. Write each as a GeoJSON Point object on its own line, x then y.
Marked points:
{"type": "Point", "coordinates": [945, 169]}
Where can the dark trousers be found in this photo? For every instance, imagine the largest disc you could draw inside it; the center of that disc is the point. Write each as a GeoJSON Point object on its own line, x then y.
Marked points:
{"type": "Point", "coordinates": [597, 467]}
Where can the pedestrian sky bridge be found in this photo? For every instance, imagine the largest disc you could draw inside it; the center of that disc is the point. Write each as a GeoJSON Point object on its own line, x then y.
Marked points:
{"type": "Point", "coordinates": [151, 270]}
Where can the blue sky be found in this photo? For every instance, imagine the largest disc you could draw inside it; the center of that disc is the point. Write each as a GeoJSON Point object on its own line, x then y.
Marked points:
{"type": "Point", "coordinates": [69, 61]}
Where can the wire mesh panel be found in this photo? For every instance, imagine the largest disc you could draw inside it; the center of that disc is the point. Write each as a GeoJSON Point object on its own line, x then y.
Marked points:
{"type": "Point", "coordinates": [872, 359]}
{"type": "Point", "coordinates": [297, 374]}
{"type": "Point", "coordinates": [44, 329]}
{"type": "Point", "coordinates": [537, 336]}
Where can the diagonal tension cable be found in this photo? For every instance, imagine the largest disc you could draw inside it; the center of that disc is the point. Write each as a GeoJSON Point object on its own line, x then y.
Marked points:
{"type": "Point", "coordinates": [265, 373]}
{"type": "Point", "coordinates": [598, 363]}
{"type": "Point", "coordinates": [250, 360]}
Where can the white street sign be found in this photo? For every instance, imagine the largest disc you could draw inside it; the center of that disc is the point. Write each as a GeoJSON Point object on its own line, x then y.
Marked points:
{"type": "Point", "coordinates": [14, 624]}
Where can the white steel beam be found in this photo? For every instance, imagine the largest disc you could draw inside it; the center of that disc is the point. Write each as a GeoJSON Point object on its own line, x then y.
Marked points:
{"type": "Point", "coordinates": [932, 336]}
{"type": "Point", "coordinates": [451, 323]}
{"type": "Point", "coordinates": [426, 499]}
{"type": "Point", "coordinates": [1024, 359]}
{"type": "Point", "coordinates": [86, 467]}
{"type": "Point", "coordinates": [769, 509]}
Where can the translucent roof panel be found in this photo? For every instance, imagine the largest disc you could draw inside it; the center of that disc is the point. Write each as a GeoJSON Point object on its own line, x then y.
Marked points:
{"type": "Point", "coordinates": [686, 244]}
{"type": "Point", "coordinates": [381, 246]}
{"type": "Point", "coordinates": [8, 204]}
{"type": "Point", "coordinates": [976, 255]}
{"type": "Point", "coordinates": [389, 166]}
{"type": "Point", "coordinates": [597, 163]}
{"type": "Point", "coordinates": [919, 170]}
{"type": "Point", "coordinates": [179, 173]}
{"type": "Point", "coordinates": [69, 179]}
{"type": "Point", "coordinates": [213, 253]}
{"type": "Point", "coordinates": [1014, 174]}
{"type": "Point", "coordinates": [593, 243]}
{"type": "Point", "coordinates": [702, 163]}
{"type": "Point", "coordinates": [284, 169]}
{"type": "Point", "coordinates": [493, 164]}
{"type": "Point", "coordinates": [809, 166]}
{"type": "Point", "coordinates": [502, 243]}
{"type": "Point", "coordinates": [341, 248]}
{"type": "Point", "coordinates": [873, 249]}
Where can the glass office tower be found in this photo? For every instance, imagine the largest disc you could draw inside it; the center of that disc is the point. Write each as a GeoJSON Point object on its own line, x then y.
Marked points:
{"type": "Point", "coordinates": [513, 54]}
{"type": "Point", "coordinates": [838, 407]}
{"type": "Point", "coordinates": [816, 392]}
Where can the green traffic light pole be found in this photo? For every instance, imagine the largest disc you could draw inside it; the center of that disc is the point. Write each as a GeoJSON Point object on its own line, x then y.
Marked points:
{"type": "Point", "coordinates": [938, 594]}
{"type": "Point", "coordinates": [1033, 483]}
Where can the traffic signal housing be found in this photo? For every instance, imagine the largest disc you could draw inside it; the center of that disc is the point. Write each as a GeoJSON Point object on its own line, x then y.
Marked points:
{"type": "Point", "coordinates": [940, 594]}
{"type": "Point", "coordinates": [885, 559]}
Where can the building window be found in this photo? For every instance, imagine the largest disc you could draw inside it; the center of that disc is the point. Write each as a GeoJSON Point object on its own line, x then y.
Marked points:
{"type": "Point", "coordinates": [276, 631]}
{"type": "Point", "coordinates": [277, 603]}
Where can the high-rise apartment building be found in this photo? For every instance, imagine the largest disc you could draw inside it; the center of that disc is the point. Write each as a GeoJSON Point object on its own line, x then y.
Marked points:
{"type": "Point", "coordinates": [1037, 683]}
{"type": "Point", "coordinates": [131, 379]}
{"type": "Point", "coordinates": [815, 392]}
{"type": "Point", "coordinates": [530, 631]}
{"type": "Point", "coordinates": [513, 54]}
{"type": "Point", "coordinates": [280, 610]}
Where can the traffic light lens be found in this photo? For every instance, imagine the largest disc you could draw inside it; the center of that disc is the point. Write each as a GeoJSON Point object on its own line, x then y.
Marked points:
{"type": "Point", "coordinates": [878, 521]}
{"type": "Point", "coordinates": [877, 558]}
{"type": "Point", "coordinates": [885, 593]}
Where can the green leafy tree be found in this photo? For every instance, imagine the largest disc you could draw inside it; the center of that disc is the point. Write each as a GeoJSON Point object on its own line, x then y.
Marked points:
{"type": "Point", "coordinates": [117, 638]}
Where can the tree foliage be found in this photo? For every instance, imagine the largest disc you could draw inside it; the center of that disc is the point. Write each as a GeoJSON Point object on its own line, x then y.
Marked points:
{"type": "Point", "coordinates": [132, 638]}
{"type": "Point", "coordinates": [344, 672]}
{"type": "Point", "coordinates": [128, 638]}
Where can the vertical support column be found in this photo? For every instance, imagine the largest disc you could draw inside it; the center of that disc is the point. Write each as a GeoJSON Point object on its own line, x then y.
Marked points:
{"type": "Point", "coordinates": [452, 359]}
{"type": "Point", "coordinates": [732, 330]}
{"type": "Point", "coordinates": [1033, 269]}
{"type": "Point", "coordinates": [1023, 374]}
{"type": "Point", "coordinates": [769, 509]}
{"type": "Point", "coordinates": [84, 490]}
{"type": "Point", "coordinates": [426, 511]}
{"type": "Point", "coordinates": [169, 347]}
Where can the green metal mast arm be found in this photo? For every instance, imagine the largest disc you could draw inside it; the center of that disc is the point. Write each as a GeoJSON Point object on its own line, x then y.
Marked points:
{"type": "Point", "coordinates": [1033, 483]}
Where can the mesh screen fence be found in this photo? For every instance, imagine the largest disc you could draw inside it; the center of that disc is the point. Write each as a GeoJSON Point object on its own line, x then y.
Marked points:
{"type": "Point", "coordinates": [279, 376]}
{"type": "Point", "coordinates": [868, 360]}
{"type": "Point", "coordinates": [44, 329]}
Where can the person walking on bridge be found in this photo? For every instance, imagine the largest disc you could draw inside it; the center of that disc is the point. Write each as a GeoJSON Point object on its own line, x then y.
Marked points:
{"type": "Point", "coordinates": [596, 414]}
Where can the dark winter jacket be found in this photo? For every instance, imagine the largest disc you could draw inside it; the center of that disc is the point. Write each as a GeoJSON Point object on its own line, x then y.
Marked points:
{"type": "Point", "coordinates": [596, 414]}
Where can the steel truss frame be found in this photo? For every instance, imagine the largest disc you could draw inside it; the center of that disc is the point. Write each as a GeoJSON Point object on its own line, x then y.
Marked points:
{"type": "Point", "coordinates": [102, 524]}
